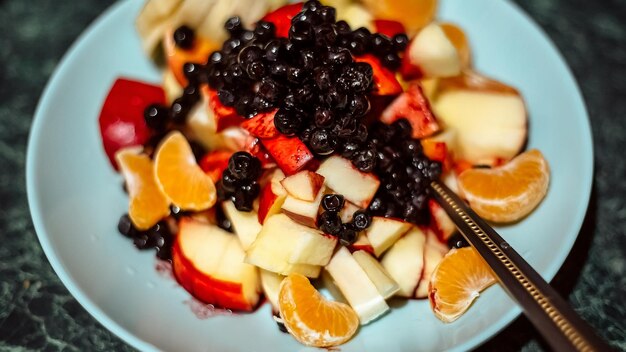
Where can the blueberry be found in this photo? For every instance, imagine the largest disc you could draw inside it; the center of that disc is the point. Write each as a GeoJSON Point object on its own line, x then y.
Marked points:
{"type": "Point", "coordinates": [327, 14]}
{"type": "Point", "coordinates": [377, 205]}
{"type": "Point", "coordinates": [333, 202]}
{"type": "Point", "coordinates": [270, 90]}
{"type": "Point", "coordinates": [231, 46]}
{"type": "Point", "coordinates": [349, 149]}
{"type": "Point", "coordinates": [274, 50]}
{"type": "Point", "coordinates": [304, 95]}
{"type": "Point", "coordinates": [392, 61]}
{"type": "Point", "coordinates": [264, 30]}
{"type": "Point", "coordinates": [288, 122]}
{"type": "Point", "coordinates": [305, 135]}
{"type": "Point", "coordinates": [249, 54]}
{"type": "Point", "coordinates": [216, 58]}
{"type": "Point", "coordinates": [301, 33]}
{"type": "Point", "coordinates": [242, 201]}
{"type": "Point", "coordinates": [457, 241]}
{"type": "Point", "coordinates": [380, 44]}
{"type": "Point", "coordinates": [359, 105]}
{"type": "Point", "coordinates": [142, 241]}
{"type": "Point", "coordinates": [229, 182]}
{"type": "Point", "coordinates": [338, 57]}
{"type": "Point", "coordinates": [348, 235]}
{"type": "Point", "coordinates": [322, 142]}
{"type": "Point", "coordinates": [400, 41]}
{"type": "Point", "coordinates": [256, 70]}
{"type": "Point", "coordinates": [278, 70]}
{"type": "Point", "coordinates": [226, 97]}
{"type": "Point", "coordinates": [365, 160]}
{"type": "Point", "coordinates": [335, 98]}
{"type": "Point", "coordinates": [184, 37]}
{"type": "Point", "coordinates": [323, 117]}
{"type": "Point", "coordinates": [342, 27]}
{"type": "Point", "coordinates": [295, 74]}
{"type": "Point", "coordinates": [251, 190]}
{"type": "Point", "coordinates": [323, 78]}
{"type": "Point", "coordinates": [244, 166]}
{"type": "Point", "coordinates": [357, 47]}
{"type": "Point", "coordinates": [156, 116]}
{"type": "Point", "coordinates": [179, 111]}
{"type": "Point", "coordinates": [311, 5]}
{"type": "Point", "coordinates": [308, 59]}
{"type": "Point", "coordinates": [360, 135]}
{"type": "Point", "coordinates": [125, 226]}
{"type": "Point", "coordinates": [192, 71]}
{"type": "Point", "coordinates": [411, 147]}
{"type": "Point", "coordinates": [191, 94]}
{"type": "Point", "coordinates": [233, 25]}
{"type": "Point", "coordinates": [361, 220]}
{"type": "Point", "coordinates": [325, 35]}
{"type": "Point", "coordinates": [330, 223]}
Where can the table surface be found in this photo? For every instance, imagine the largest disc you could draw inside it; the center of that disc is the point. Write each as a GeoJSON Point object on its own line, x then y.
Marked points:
{"type": "Point", "coordinates": [38, 313]}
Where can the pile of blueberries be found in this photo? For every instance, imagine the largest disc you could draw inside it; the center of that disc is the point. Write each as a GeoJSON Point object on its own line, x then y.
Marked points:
{"type": "Point", "coordinates": [157, 237]}
{"type": "Point", "coordinates": [330, 223]}
{"type": "Point", "coordinates": [311, 77]}
{"type": "Point", "coordinates": [239, 181]}
{"type": "Point", "coordinates": [405, 173]}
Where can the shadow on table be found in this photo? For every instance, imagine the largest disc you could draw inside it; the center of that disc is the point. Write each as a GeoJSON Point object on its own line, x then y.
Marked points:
{"type": "Point", "coordinates": [521, 331]}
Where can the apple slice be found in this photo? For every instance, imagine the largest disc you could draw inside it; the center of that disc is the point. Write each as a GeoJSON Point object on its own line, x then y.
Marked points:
{"type": "Point", "coordinates": [415, 107]}
{"type": "Point", "coordinates": [356, 286]}
{"type": "Point", "coordinates": [121, 119]}
{"type": "Point", "coordinates": [440, 221]}
{"type": "Point", "coordinates": [384, 232]}
{"type": "Point", "coordinates": [405, 261]}
{"type": "Point", "coordinates": [431, 54]}
{"type": "Point", "coordinates": [282, 242]}
{"type": "Point", "coordinates": [347, 212]}
{"type": "Point", "coordinates": [270, 282]}
{"type": "Point", "coordinates": [357, 187]}
{"type": "Point", "coordinates": [302, 211]}
{"type": "Point", "coordinates": [245, 224]}
{"type": "Point", "coordinates": [386, 286]}
{"type": "Point", "coordinates": [214, 163]}
{"type": "Point", "coordinates": [262, 125]}
{"type": "Point", "coordinates": [225, 116]}
{"type": "Point", "coordinates": [492, 125]}
{"type": "Point", "coordinates": [304, 185]}
{"type": "Point", "coordinates": [434, 252]}
{"type": "Point", "coordinates": [290, 153]}
{"type": "Point", "coordinates": [272, 196]}
{"type": "Point", "coordinates": [208, 262]}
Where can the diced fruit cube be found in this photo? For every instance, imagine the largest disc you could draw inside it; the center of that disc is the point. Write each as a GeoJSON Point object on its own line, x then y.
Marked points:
{"type": "Point", "coordinates": [341, 176]}
{"type": "Point", "coordinates": [283, 243]}
{"type": "Point", "coordinates": [302, 211]}
{"type": "Point", "coordinates": [270, 282]}
{"type": "Point", "coordinates": [214, 163]}
{"type": "Point", "coordinates": [415, 107]}
{"type": "Point", "coordinates": [121, 120]}
{"type": "Point", "coordinates": [245, 224]}
{"type": "Point", "coordinates": [431, 54]}
{"type": "Point", "coordinates": [384, 232]}
{"type": "Point", "coordinates": [434, 251]}
{"type": "Point", "coordinates": [386, 286]}
{"type": "Point", "coordinates": [405, 261]}
{"type": "Point", "coordinates": [388, 27]}
{"type": "Point", "coordinates": [362, 243]}
{"type": "Point", "coordinates": [356, 286]}
{"type": "Point", "coordinates": [225, 116]}
{"type": "Point", "coordinates": [290, 153]}
{"type": "Point", "coordinates": [441, 222]}
{"type": "Point", "coordinates": [347, 212]}
{"type": "Point", "coordinates": [281, 18]}
{"type": "Point", "coordinates": [304, 185]}
{"type": "Point", "coordinates": [262, 125]}
{"type": "Point", "coordinates": [272, 196]}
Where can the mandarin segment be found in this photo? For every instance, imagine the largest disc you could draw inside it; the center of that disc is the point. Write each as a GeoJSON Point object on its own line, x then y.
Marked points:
{"type": "Point", "coordinates": [311, 319]}
{"type": "Point", "coordinates": [457, 281]}
{"type": "Point", "coordinates": [148, 204]}
{"type": "Point", "coordinates": [509, 192]}
{"type": "Point", "coordinates": [180, 177]}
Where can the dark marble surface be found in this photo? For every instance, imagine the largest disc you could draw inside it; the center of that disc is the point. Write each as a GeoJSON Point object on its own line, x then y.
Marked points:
{"type": "Point", "coordinates": [36, 311]}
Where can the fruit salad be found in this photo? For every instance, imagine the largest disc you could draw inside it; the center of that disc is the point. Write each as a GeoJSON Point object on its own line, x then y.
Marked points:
{"type": "Point", "coordinates": [291, 148]}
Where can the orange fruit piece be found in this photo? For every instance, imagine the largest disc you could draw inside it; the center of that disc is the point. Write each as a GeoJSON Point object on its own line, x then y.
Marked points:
{"type": "Point", "coordinates": [457, 281]}
{"type": "Point", "coordinates": [509, 192]}
{"type": "Point", "coordinates": [180, 177]}
{"type": "Point", "coordinates": [148, 204]}
{"type": "Point", "coordinates": [413, 14]}
{"type": "Point", "coordinates": [310, 318]}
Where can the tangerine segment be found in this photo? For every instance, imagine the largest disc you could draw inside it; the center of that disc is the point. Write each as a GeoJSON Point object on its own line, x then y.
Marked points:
{"type": "Point", "coordinates": [148, 204]}
{"type": "Point", "coordinates": [457, 281]}
{"type": "Point", "coordinates": [180, 177]}
{"type": "Point", "coordinates": [509, 192]}
{"type": "Point", "coordinates": [311, 319]}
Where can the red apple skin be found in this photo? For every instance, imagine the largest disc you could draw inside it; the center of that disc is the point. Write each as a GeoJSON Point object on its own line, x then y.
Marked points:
{"type": "Point", "coordinates": [389, 28]}
{"type": "Point", "coordinates": [224, 294]}
{"type": "Point", "coordinates": [385, 82]}
{"type": "Point", "coordinates": [262, 125]}
{"type": "Point", "coordinates": [290, 153]}
{"type": "Point", "coordinates": [121, 119]}
{"type": "Point", "coordinates": [225, 116]}
{"type": "Point", "coordinates": [415, 107]}
{"type": "Point", "coordinates": [281, 18]}
{"type": "Point", "coordinates": [267, 200]}
{"type": "Point", "coordinates": [408, 70]}
{"type": "Point", "coordinates": [214, 163]}
{"type": "Point", "coordinates": [368, 248]}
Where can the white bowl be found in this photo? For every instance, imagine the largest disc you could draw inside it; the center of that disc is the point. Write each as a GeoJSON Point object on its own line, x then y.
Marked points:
{"type": "Point", "coordinates": [76, 198]}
